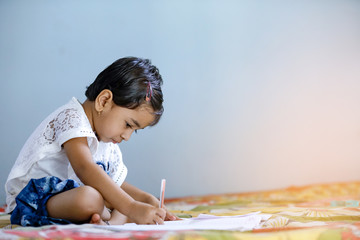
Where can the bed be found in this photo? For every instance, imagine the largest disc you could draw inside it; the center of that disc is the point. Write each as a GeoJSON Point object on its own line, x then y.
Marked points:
{"type": "Point", "coordinates": [319, 211]}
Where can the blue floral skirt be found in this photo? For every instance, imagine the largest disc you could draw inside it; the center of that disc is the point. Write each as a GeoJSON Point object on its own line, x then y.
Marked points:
{"type": "Point", "coordinates": [31, 202]}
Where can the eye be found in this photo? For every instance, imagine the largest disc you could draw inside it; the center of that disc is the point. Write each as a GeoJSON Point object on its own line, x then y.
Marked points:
{"type": "Point", "coordinates": [129, 126]}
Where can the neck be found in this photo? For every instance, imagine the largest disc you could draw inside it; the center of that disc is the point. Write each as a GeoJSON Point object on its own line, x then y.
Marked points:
{"type": "Point", "coordinates": [89, 111]}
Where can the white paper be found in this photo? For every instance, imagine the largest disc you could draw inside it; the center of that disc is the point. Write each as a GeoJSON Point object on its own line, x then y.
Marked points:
{"type": "Point", "coordinates": [202, 222]}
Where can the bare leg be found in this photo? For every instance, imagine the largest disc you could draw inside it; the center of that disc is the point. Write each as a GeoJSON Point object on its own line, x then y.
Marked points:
{"type": "Point", "coordinates": [118, 218]}
{"type": "Point", "coordinates": [77, 205]}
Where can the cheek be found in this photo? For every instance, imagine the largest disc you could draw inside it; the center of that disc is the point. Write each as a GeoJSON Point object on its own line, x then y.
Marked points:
{"type": "Point", "coordinates": [109, 128]}
{"type": "Point", "coordinates": [112, 129]}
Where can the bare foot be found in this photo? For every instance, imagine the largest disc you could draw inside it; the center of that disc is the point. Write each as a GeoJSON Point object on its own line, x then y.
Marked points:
{"type": "Point", "coordinates": [96, 219]}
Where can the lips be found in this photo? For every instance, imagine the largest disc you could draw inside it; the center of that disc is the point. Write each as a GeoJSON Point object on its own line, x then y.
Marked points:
{"type": "Point", "coordinates": [115, 142]}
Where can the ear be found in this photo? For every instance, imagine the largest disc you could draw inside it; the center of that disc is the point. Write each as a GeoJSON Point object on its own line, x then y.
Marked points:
{"type": "Point", "coordinates": [103, 100]}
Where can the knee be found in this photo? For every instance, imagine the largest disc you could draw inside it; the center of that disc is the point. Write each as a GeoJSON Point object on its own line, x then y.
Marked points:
{"type": "Point", "coordinates": [89, 200]}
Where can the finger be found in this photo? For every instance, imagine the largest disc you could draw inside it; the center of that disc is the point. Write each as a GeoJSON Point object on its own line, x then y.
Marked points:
{"type": "Point", "coordinates": [159, 220]}
{"type": "Point", "coordinates": [170, 216]}
{"type": "Point", "coordinates": [161, 213]}
{"type": "Point", "coordinates": [175, 218]}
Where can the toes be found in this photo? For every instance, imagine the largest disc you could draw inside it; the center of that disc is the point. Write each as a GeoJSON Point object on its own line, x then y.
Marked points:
{"type": "Point", "coordinates": [95, 219]}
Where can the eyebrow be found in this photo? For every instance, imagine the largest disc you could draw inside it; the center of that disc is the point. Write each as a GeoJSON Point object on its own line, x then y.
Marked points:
{"type": "Point", "coordinates": [135, 122]}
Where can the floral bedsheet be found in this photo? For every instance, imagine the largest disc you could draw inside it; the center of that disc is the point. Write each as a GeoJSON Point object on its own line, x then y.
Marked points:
{"type": "Point", "coordinates": [319, 211]}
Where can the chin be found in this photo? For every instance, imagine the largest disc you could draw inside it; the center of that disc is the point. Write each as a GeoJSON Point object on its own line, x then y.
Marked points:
{"type": "Point", "coordinates": [105, 140]}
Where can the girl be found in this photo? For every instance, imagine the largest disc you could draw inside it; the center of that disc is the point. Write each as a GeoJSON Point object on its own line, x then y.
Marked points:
{"type": "Point", "coordinates": [70, 170]}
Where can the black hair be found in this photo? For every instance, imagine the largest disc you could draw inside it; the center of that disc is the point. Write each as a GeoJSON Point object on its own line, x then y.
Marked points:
{"type": "Point", "coordinates": [130, 79]}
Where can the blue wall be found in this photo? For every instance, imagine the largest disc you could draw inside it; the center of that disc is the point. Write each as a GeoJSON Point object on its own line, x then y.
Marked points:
{"type": "Point", "coordinates": [258, 94]}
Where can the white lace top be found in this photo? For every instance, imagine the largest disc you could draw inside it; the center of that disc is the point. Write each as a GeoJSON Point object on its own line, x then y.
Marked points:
{"type": "Point", "coordinates": [43, 154]}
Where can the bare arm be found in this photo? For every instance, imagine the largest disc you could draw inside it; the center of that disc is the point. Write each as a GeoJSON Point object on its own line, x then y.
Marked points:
{"type": "Point", "coordinates": [139, 195]}
{"type": "Point", "coordinates": [89, 173]}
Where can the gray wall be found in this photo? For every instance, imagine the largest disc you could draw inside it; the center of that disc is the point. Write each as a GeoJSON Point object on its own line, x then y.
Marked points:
{"type": "Point", "coordinates": [258, 94]}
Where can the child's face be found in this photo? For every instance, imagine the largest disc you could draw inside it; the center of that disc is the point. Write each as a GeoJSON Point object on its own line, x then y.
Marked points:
{"type": "Point", "coordinates": [116, 123]}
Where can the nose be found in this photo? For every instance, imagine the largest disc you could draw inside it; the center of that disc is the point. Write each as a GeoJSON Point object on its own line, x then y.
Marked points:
{"type": "Point", "coordinates": [127, 134]}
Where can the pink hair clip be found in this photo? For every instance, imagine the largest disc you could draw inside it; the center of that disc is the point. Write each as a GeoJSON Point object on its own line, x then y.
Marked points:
{"type": "Point", "coordinates": [148, 92]}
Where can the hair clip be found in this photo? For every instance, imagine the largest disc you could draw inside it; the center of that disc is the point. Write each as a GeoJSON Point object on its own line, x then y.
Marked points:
{"type": "Point", "coordinates": [148, 92]}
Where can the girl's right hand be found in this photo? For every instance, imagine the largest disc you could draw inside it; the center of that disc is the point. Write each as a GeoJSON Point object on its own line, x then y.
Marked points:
{"type": "Point", "coordinates": [142, 213]}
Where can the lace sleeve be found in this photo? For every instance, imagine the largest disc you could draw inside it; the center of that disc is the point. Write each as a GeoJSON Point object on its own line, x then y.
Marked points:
{"type": "Point", "coordinates": [66, 125]}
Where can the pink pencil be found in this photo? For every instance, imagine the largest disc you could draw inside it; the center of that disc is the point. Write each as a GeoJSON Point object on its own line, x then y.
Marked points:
{"type": "Point", "coordinates": [162, 193]}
